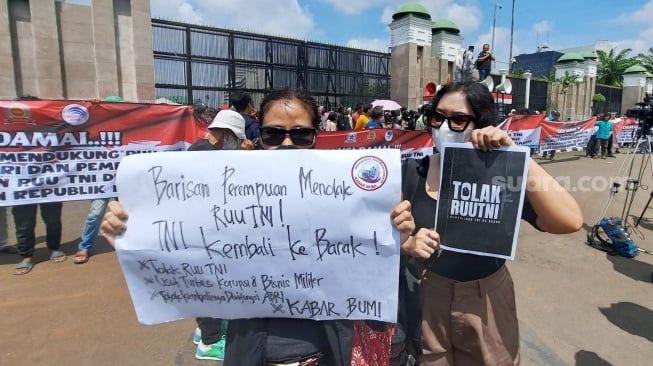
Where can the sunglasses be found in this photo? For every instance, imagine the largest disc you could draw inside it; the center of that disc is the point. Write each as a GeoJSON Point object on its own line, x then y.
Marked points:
{"type": "Point", "coordinates": [457, 123]}
{"type": "Point", "coordinates": [300, 136]}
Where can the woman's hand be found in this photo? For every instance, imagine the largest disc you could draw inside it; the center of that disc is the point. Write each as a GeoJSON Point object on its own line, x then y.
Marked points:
{"type": "Point", "coordinates": [422, 245]}
{"type": "Point", "coordinates": [490, 137]}
{"type": "Point", "coordinates": [247, 145]}
{"type": "Point", "coordinates": [403, 219]}
{"type": "Point", "coordinates": [114, 222]}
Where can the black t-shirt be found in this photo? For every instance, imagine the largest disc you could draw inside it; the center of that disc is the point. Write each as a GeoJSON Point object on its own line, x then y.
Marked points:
{"type": "Point", "coordinates": [484, 65]}
{"type": "Point", "coordinates": [452, 265]}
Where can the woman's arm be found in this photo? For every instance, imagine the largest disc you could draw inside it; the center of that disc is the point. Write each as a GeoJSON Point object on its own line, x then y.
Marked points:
{"type": "Point", "coordinates": [557, 211]}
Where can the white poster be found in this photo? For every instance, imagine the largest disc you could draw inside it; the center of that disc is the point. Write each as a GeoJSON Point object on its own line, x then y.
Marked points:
{"type": "Point", "coordinates": [249, 234]}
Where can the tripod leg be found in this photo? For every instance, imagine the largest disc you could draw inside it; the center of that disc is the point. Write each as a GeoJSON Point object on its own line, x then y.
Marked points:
{"type": "Point", "coordinates": [645, 207]}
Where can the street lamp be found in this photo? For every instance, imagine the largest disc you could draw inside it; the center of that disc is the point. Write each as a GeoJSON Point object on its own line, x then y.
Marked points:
{"type": "Point", "coordinates": [494, 24]}
{"type": "Point", "coordinates": [512, 31]}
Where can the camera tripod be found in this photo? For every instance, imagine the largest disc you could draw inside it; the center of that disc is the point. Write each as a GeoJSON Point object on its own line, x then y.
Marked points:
{"type": "Point", "coordinates": [631, 184]}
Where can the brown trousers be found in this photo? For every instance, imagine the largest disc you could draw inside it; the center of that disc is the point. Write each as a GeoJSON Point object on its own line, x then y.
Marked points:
{"type": "Point", "coordinates": [469, 323]}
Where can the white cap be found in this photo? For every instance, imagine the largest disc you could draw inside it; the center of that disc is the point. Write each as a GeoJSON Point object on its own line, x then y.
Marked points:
{"type": "Point", "coordinates": [231, 120]}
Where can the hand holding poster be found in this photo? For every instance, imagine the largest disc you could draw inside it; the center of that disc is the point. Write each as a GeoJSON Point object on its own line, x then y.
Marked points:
{"type": "Point", "coordinates": [480, 199]}
{"type": "Point", "coordinates": [248, 234]}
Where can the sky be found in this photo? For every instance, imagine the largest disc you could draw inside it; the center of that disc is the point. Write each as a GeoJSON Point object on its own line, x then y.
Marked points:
{"type": "Point", "coordinates": [559, 24]}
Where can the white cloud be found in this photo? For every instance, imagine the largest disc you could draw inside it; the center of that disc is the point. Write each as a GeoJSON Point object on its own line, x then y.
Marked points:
{"type": "Point", "coordinates": [543, 26]}
{"type": "Point", "coordinates": [281, 18]}
{"type": "Point", "coordinates": [372, 44]}
{"type": "Point", "coordinates": [643, 15]}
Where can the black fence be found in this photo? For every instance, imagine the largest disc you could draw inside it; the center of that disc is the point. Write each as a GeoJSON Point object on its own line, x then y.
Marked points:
{"type": "Point", "coordinates": [612, 99]}
{"type": "Point", "coordinates": [194, 63]}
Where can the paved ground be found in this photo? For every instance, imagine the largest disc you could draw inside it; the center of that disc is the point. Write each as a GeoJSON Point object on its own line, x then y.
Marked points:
{"type": "Point", "coordinates": [577, 305]}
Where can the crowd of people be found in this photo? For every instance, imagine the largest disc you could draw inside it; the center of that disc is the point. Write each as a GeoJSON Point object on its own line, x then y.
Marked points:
{"type": "Point", "coordinates": [463, 308]}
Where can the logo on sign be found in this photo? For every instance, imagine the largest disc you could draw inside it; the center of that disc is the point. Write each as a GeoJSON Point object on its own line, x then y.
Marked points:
{"type": "Point", "coordinates": [352, 138]}
{"type": "Point", "coordinates": [75, 114]}
{"type": "Point", "coordinates": [388, 135]}
{"type": "Point", "coordinates": [18, 113]}
{"type": "Point", "coordinates": [369, 173]}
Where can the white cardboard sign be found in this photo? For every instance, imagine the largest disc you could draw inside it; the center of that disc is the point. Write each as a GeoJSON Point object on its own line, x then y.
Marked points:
{"type": "Point", "coordinates": [250, 234]}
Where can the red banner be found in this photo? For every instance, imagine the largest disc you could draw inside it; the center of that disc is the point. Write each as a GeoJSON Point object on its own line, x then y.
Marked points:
{"type": "Point", "coordinates": [413, 144]}
{"type": "Point", "coordinates": [70, 150]}
{"type": "Point", "coordinates": [524, 129]}
{"type": "Point", "coordinates": [565, 135]}
{"type": "Point", "coordinates": [624, 131]}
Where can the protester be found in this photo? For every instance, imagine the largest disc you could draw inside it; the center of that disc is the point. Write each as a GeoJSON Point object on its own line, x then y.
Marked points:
{"type": "Point", "coordinates": [604, 134]}
{"type": "Point", "coordinates": [364, 117]}
{"type": "Point", "coordinates": [467, 301]}
{"type": "Point", "coordinates": [376, 116]}
{"type": "Point", "coordinates": [25, 223]}
{"type": "Point", "coordinates": [554, 117]}
{"type": "Point", "coordinates": [484, 62]}
{"type": "Point", "coordinates": [289, 120]}
{"type": "Point", "coordinates": [99, 206]}
{"type": "Point", "coordinates": [468, 64]}
{"type": "Point", "coordinates": [243, 104]}
{"type": "Point", "coordinates": [331, 124]}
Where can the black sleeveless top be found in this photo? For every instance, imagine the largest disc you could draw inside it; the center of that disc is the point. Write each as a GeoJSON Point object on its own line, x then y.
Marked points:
{"type": "Point", "coordinates": [453, 265]}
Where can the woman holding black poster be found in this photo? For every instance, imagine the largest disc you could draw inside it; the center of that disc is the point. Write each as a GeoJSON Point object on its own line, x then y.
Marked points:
{"type": "Point", "coordinates": [467, 301]}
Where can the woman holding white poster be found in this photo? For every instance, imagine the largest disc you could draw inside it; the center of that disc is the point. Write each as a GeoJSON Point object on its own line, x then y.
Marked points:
{"type": "Point", "coordinates": [290, 120]}
{"type": "Point", "coordinates": [467, 300]}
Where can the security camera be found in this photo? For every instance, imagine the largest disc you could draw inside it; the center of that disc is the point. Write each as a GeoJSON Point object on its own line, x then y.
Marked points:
{"type": "Point", "coordinates": [499, 6]}
{"type": "Point", "coordinates": [513, 60]}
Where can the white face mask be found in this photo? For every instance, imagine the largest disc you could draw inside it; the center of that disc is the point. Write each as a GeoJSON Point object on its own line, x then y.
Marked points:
{"type": "Point", "coordinates": [444, 134]}
{"type": "Point", "coordinates": [230, 142]}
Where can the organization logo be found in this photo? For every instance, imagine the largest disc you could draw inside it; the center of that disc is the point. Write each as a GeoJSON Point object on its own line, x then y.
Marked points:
{"type": "Point", "coordinates": [352, 138]}
{"type": "Point", "coordinates": [369, 173]}
{"type": "Point", "coordinates": [17, 113]}
{"type": "Point", "coordinates": [371, 135]}
{"type": "Point", "coordinates": [389, 135]}
{"type": "Point", "coordinates": [75, 114]}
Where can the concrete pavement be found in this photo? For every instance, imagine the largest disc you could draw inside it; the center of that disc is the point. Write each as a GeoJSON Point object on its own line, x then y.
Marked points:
{"type": "Point", "coordinates": [576, 305]}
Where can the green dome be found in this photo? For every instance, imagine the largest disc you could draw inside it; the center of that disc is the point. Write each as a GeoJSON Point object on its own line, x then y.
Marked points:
{"type": "Point", "coordinates": [588, 55]}
{"type": "Point", "coordinates": [113, 98]}
{"type": "Point", "coordinates": [411, 8]}
{"type": "Point", "coordinates": [445, 25]}
{"type": "Point", "coordinates": [570, 57]}
{"type": "Point", "coordinates": [635, 69]}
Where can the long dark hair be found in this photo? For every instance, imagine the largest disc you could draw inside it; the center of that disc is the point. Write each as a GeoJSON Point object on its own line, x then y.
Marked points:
{"type": "Point", "coordinates": [478, 97]}
{"type": "Point", "coordinates": [291, 94]}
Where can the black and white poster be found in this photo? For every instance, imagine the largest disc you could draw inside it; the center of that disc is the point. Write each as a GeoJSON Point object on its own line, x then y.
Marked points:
{"type": "Point", "coordinates": [480, 199]}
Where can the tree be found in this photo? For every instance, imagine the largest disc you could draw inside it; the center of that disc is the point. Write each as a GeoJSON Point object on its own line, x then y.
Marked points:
{"type": "Point", "coordinates": [612, 66]}
{"type": "Point", "coordinates": [646, 60]}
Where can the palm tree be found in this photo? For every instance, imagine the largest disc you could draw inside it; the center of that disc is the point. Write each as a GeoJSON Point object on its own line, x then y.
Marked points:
{"type": "Point", "coordinates": [646, 60]}
{"type": "Point", "coordinates": [612, 66]}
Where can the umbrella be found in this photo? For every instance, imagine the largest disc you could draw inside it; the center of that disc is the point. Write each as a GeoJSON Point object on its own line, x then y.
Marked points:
{"type": "Point", "coordinates": [387, 104]}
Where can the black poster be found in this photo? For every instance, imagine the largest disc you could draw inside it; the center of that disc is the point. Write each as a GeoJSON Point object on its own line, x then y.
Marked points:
{"type": "Point", "coordinates": [480, 199]}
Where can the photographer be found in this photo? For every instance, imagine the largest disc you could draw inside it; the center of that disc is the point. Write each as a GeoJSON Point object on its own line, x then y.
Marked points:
{"type": "Point", "coordinates": [484, 62]}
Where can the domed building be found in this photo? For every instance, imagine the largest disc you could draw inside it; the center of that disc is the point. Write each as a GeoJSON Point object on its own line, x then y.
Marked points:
{"type": "Point", "coordinates": [423, 54]}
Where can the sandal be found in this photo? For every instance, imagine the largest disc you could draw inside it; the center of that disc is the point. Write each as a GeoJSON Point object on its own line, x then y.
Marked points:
{"type": "Point", "coordinates": [57, 256]}
{"type": "Point", "coordinates": [23, 268]}
{"type": "Point", "coordinates": [81, 257]}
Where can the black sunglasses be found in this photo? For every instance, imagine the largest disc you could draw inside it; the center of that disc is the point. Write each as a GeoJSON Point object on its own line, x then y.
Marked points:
{"type": "Point", "coordinates": [300, 136]}
{"type": "Point", "coordinates": [457, 123]}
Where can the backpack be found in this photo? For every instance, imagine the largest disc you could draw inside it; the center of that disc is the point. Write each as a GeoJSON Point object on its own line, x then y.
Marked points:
{"type": "Point", "coordinates": [621, 242]}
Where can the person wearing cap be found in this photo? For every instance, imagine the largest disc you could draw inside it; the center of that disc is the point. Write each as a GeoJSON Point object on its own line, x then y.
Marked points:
{"type": "Point", "coordinates": [226, 132]}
